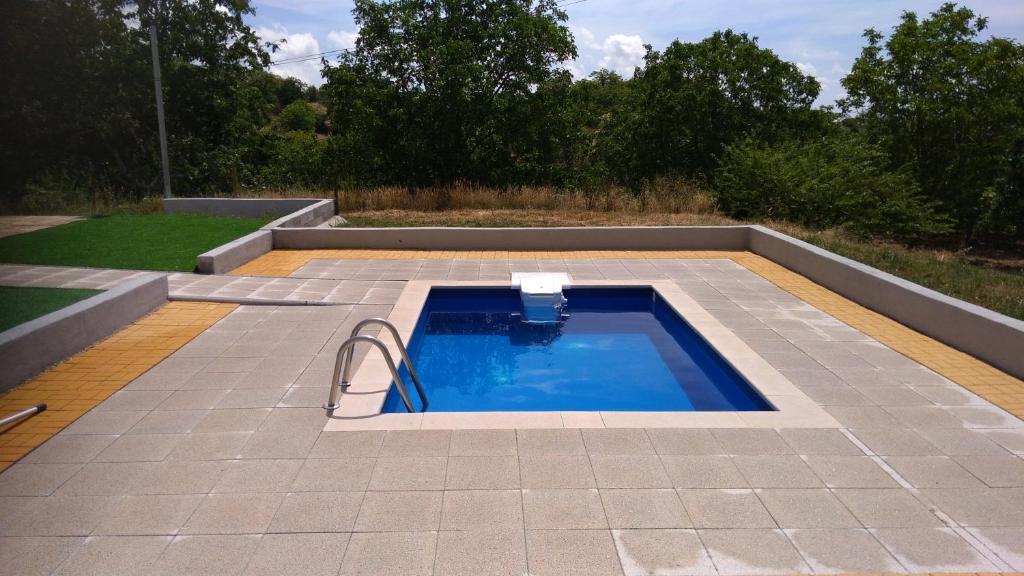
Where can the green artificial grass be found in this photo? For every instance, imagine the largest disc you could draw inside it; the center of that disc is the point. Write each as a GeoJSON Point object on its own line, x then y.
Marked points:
{"type": "Point", "coordinates": [130, 241]}
{"type": "Point", "coordinates": [19, 305]}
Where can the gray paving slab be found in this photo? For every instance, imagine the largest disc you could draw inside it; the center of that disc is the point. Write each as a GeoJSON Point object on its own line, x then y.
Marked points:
{"type": "Point", "coordinates": [752, 552]}
{"type": "Point", "coordinates": [482, 472]}
{"type": "Point", "coordinates": [129, 555]}
{"type": "Point", "coordinates": [149, 515]}
{"type": "Point", "coordinates": [319, 554]}
{"type": "Point", "coordinates": [233, 514]}
{"type": "Point", "coordinates": [563, 552]}
{"type": "Point", "coordinates": [806, 508]}
{"type": "Point", "coordinates": [485, 552]}
{"type": "Point", "coordinates": [399, 511]}
{"type": "Point", "coordinates": [556, 471]}
{"type": "Point", "coordinates": [726, 508]}
{"type": "Point", "coordinates": [36, 556]}
{"type": "Point", "coordinates": [483, 509]}
{"type": "Point", "coordinates": [662, 552]}
{"type": "Point", "coordinates": [843, 551]}
{"type": "Point", "coordinates": [926, 549]}
{"type": "Point", "coordinates": [641, 508]}
{"type": "Point", "coordinates": [888, 508]}
{"type": "Point", "coordinates": [327, 475]}
{"type": "Point", "coordinates": [639, 471]}
{"type": "Point", "coordinates": [317, 512]}
{"type": "Point", "coordinates": [563, 509]}
{"type": "Point", "coordinates": [206, 554]}
{"type": "Point", "coordinates": [224, 439]}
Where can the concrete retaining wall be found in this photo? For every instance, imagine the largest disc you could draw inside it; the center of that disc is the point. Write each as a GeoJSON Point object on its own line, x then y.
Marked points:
{"type": "Point", "coordinates": [30, 348]}
{"type": "Point", "coordinates": [993, 337]}
{"type": "Point", "coordinates": [227, 257]}
{"type": "Point", "coordinates": [314, 214]}
{"type": "Point", "coordinates": [243, 207]}
{"type": "Point", "coordinates": [607, 238]}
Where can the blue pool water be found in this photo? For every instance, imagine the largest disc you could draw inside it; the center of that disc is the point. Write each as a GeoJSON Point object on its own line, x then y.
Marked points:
{"type": "Point", "coordinates": [618, 349]}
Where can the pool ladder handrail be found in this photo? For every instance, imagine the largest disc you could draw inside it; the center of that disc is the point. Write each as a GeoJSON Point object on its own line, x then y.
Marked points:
{"type": "Point", "coordinates": [346, 354]}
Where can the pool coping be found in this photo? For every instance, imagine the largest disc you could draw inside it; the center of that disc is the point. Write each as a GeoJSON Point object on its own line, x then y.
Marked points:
{"type": "Point", "coordinates": [361, 406]}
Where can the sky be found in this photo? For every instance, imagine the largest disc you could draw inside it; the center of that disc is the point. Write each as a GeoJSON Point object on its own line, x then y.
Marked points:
{"type": "Point", "coordinates": [823, 38]}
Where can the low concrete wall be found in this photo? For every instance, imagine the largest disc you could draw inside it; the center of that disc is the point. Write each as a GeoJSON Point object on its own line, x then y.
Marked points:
{"type": "Point", "coordinates": [227, 257]}
{"type": "Point", "coordinates": [980, 332]}
{"type": "Point", "coordinates": [313, 215]}
{"type": "Point", "coordinates": [607, 238]}
{"type": "Point", "coordinates": [222, 259]}
{"type": "Point", "coordinates": [243, 207]}
{"type": "Point", "coordinates": [30, 348]}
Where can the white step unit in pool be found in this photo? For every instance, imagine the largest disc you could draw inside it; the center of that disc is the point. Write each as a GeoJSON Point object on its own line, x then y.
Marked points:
{"type": "Point", "coordinates": [541, 295]}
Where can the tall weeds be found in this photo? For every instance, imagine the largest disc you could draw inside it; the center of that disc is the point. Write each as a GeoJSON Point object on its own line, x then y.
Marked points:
{"type": "Point", "coordinates": [661, 196]}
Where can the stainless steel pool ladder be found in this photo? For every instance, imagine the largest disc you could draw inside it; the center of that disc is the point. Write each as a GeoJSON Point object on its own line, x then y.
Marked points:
{"type": "Point", "coordinates": [346, 353]}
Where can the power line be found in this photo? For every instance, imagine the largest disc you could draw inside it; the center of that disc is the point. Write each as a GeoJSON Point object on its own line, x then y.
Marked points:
{"type": "Point", "coordinates": [306, 57]}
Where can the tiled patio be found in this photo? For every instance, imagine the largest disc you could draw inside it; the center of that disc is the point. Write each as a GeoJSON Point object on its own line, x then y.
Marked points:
{"type": "Point", "coordinates": [11, 225]}
{"type": "Point", "coordinates": [215, 461]}
{"type": "Point", "coordinates": [63, 276]}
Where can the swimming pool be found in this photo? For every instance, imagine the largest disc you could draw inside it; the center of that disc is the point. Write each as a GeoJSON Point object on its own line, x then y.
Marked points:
{"type": "Point", "coordinates": [617, 349]}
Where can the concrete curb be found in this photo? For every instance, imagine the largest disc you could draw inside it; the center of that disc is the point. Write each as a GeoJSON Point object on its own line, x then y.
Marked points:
{"type": "Point", "coordinates": [30, 348]}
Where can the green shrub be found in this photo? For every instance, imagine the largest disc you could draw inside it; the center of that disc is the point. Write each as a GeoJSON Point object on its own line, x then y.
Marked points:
{"type": "Point", "coordinates": [298, 115]}
{"type": "Point", "coordinates": [296, 159]}
{"type": "Point", "coordinates": [837, 181]}
{"type": "Point", "coordinates": [67, 187]}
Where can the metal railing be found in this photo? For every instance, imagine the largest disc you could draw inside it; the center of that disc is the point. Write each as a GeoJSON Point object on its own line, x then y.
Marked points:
{"type": "Point", "coordinates": [345, 358]}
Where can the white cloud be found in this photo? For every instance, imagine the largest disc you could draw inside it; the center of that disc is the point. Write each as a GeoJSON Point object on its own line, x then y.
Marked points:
{"type": "Point", "coordinates": [622, 53]}
{"type": "Point", "coordinates": [584, 38]}
{"type": "Point", "coordinates": [830, 81]}
{"type": "Point", "coordinates": [573, 68]}
{"type": "Point", "coordinates": [294, 45]}
{"type": "Point", "coordinates": [342, 39]}
{"type": "Point", "coordinates": [807, 68]}
{"type": "Point", "coordinates": [618, 52]}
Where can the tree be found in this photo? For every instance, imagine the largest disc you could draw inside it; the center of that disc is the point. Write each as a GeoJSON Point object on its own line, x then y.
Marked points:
{"type": "Point", "coordinates": [837, 180]}
{"type": "Point", "coordinates": [78, 93]}
{"type": "Point", "coordinates": [433, 85]}
{"type": "Point", "coordinates": [298, 115]}
{"type": "Point", "coordinates": [596, 106]}
{"type": "Point", "coordinates": [948, 106]}
{"type": "Point", "coordinates": [289, 90]}
{"type": "Point", "coordinates": [692, 100]}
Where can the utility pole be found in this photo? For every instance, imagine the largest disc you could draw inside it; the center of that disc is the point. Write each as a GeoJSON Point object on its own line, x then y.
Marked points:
{"type": "Point", "coordinates": [158, 88]}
